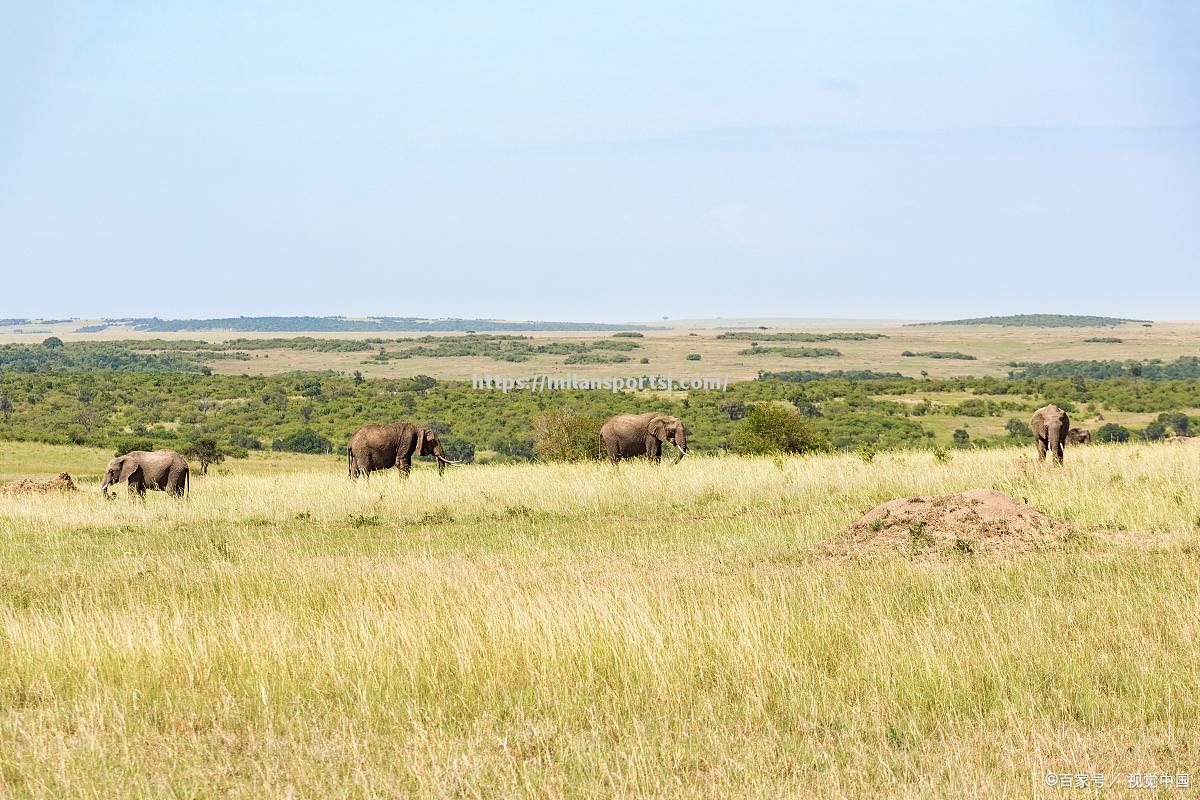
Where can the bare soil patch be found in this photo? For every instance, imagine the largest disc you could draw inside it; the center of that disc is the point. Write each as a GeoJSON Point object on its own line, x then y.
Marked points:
{"type": "Point", "coordinates": [979, 521]}
{"type": "Point", "coordinates": [60, 483]}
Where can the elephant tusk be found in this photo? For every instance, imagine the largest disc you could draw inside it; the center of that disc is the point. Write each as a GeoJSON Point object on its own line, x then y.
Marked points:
{"type": "Point", "coordinates": [449, 462]}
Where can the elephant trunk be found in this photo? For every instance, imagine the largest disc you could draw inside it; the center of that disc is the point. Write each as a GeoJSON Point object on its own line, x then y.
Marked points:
{"type": "Point", "coordinates": [104, 484]}
{"type": "Point", "coordinates": [442, 461]}
{"type": "Point", "coordinates": [681, 443]}
{"type": "Point", "coordinates": [1056, 439]}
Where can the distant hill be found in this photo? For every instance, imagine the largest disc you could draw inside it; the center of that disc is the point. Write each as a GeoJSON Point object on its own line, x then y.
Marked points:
{"type": "Point", "coordinates": [368, 325]}
{"type": "Point", "coordinates": [1037, 321]}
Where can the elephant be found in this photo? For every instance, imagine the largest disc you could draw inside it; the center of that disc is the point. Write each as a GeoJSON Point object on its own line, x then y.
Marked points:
{"type": "Point", "coordinates": [162, 470]}
{"type": "Point", "coordinates": [628, 435]}
{"type": "Point", "coordinates": [374, 447]}
{"type": "Point", "coordinates": [1050, 426]}
{"type": "Point", "coordinates": [1079, 436]}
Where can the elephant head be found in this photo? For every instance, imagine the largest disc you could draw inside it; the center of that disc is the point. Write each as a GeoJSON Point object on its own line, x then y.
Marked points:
{"type": "Point", "coordinates": [663, 428]}
{"type": "Point", "coordinates": [428, 444]}
{"type": "Point", "coordinates": [121, 468]}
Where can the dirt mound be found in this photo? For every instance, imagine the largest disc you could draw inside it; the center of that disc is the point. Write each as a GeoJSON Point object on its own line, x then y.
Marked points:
{"type": "Point", "coordinates": [981, 521]}
{"type": "Point", "coordinates": [60, 483]}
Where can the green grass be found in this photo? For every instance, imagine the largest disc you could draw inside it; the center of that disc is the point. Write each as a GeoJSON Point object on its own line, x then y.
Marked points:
{"type": "Point", "coordinates": [575, 631]}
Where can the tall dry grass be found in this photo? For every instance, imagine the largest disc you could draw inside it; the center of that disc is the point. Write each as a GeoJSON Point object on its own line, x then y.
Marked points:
{"type": "Point", "coordinates": [577, 631]}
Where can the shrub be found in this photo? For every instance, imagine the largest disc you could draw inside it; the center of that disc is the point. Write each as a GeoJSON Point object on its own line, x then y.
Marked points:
{"type": "Point", "coordinates": [774, 428]}
{"type": "Point", "coordinates": [1178, 421]}
{"type": "Point", "coordinates": [629, 334]}
{"type": "Point", "coordinates": [962, 438]}
{"type": "Point", "coordinates": [305, 440]}
{"type": "Point", "coordinates": [566, 435]}
{"type": "Point", "coordinates": [245, 441]}
{"type": "Point", "coordinates": [693, 356]}
{"type": "Point", "coordinates": [1111, 432]}
{"type": "Point", "coordinates": [1154, 432]}
{"type": "Point", "coordinates": [1018, 429]}
{"type": "Point", "coordinates": [127, 444]}
{"type": "Point", "coordinates": [459, 450]}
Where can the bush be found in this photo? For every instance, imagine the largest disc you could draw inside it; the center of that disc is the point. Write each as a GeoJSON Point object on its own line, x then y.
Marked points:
{"type": "Point", "coordinates": [459, 450]}
{"type": "Point", "coordinates": [1111, 432]}
{"type": "Point", "coordinates": [693, 356]}
{"type": "Point", "coordinates": [1018, 429]}
{"type": "Point", "coordinates": [1178, 421]}
{"type": "Point", "coordinates": [961, 438]}
{"type": "Point", "coordinates": [304, 440]}
{"type": "Point", "coordinates": [1154, 432]}
{"type": "Point", "coordinates": [127, 444]}
{"type": "Point", "coordinates": [566, 435]}
{"type": "Point", "coordinates": [775, 428]}
{"type": "Point", "coordinates": [245, 442]}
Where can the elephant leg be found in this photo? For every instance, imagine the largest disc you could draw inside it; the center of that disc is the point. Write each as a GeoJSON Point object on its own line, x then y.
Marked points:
{"type": "Point", "coordinates": [404, 464]}
{"type": "Point", "coordinates": [1041, 448]}
{"type": "Point", "coordinates": [654, 450]}
{"type": "Point", "coordinates": [614, 451]}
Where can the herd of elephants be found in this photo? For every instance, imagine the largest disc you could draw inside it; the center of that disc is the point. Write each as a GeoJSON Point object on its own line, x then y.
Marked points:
{"type": "Point", "coordinates": [376, 447]}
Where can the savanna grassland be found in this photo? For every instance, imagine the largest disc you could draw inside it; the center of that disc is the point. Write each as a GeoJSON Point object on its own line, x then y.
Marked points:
{"type": "Point", "coordinates": [668, 346]}
{"type": "Point", "coordinates": [570, 630]}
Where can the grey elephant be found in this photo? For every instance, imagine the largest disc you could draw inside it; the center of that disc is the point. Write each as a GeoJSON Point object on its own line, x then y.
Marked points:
{"type": "Point", "coordinates": [375, 447]}
{"type": "Point", "coordinates": [1050, 426]}
{"type": "Point", "coordinates": [629, 435]}
{"type": "Point", "coordinates": [1079, 436]}
{"type": "Point", "coordinates": [161, 470]}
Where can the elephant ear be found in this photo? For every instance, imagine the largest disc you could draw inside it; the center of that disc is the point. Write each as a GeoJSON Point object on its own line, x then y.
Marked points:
{"type": "Point", "coordinates": [420, 447]}
{"type": "Point", "coordinates": [130, 469]}
{"type": "Point", "coordinates": [658, 428]}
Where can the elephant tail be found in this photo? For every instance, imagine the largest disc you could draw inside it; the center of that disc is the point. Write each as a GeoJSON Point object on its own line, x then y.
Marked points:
{"type": "Point", "coordinates": [187, 482]}
{"type": "Point", "coordinates": [349, 462]}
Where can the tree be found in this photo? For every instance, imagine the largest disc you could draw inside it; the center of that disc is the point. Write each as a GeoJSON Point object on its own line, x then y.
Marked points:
{"type": "Point", "coordinates": [736, 410]}
{"type": "Point", "coordinates": [566, 435]}
{"type": "Point", "coordinates": [52, 342]}
{"type": "Point", "coordinates": [774, 428]}
{"type": "Point", "coordinates": [961, 438]}
{"type": "Point", "coordinates": [459, 450]}
{"type": "Point", "coordinates": [128, 444]}
{"type": "Point", "coordinates": [6, 406]}
{"type": "Point", "coordinates": [1111, 432]}
{"type": "Point", "coordinates": [1154, 432]}
{"type": "Point", "coordinates": [1177, 420]}
{"type": "Point", "coordinates": [358, 378]}
{"type": "Point", "coordinates": [1018, 429]}
{"type": "Point", "coordinates": [206, 451]}
{"type": "Point", "coordinates": [805, 407]}
{"type": "Point", "coordinates": [305, 440]}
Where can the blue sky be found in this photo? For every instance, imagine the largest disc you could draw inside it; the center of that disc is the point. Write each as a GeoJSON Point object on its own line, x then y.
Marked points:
{"type": "Point", "coordinates": [610, 161]}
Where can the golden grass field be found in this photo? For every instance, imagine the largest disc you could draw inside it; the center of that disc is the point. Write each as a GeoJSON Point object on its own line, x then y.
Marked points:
{"type": "Point", "coordinates": [667, 350]}
{"type": "Point", "coordinates": [575, 631]}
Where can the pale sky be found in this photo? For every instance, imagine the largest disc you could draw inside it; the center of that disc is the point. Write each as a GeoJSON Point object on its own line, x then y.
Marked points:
{"type": "Point", "coordinates": [610, 161]}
